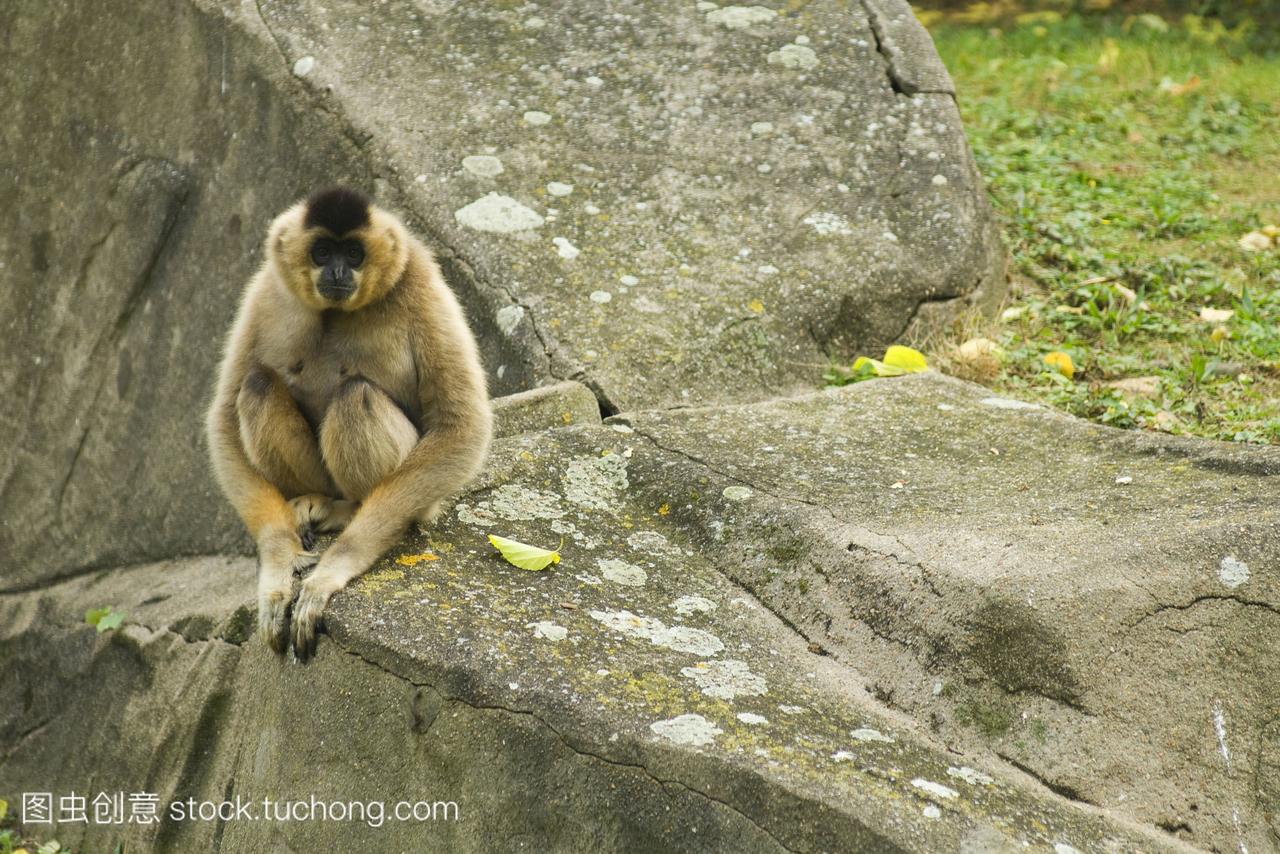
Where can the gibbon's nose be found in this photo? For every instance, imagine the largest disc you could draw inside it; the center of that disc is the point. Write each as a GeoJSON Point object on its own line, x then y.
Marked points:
{"type": "Point", "coordinates": [336, 281]}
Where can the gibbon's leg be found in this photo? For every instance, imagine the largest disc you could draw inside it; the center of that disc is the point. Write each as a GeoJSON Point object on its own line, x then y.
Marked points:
{"type": "Point", "coordinates": [282, 451]}
{"type": "Point", "coordinates": [277, 439]}
{"type": "Point", "coordinates": [364, 437]}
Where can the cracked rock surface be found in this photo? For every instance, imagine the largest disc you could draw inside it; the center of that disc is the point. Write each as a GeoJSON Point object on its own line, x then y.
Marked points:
{"type": "Point", "coordinates": [900, 616]}
{"type": "Point", "coordinates": [785, 633]}
{"type": "Point", "coordinates": [670, 204]}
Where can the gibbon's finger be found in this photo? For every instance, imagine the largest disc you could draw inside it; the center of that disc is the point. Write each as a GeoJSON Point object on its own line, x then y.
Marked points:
{"type": "Point", "coordinates": [273, 618]}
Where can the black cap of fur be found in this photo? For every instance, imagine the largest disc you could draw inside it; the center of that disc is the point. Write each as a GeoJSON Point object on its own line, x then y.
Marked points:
{"type": "Point", "coordinates": [339, 209]}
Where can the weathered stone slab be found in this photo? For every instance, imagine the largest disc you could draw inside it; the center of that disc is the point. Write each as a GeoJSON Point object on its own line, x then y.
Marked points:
{"type": "Point", "coordinates": [629, 695]}
{"type": "Point", "coordinates": [1100, 608]}
{"type": "Point", "coordinates": [689, 204]}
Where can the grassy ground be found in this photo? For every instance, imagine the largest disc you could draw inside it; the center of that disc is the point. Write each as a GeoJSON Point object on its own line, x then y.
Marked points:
{"type": "Point", "coordinates": [1126, 156]}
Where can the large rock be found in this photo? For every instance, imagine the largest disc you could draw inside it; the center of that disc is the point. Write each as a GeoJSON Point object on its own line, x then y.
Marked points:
{"type": "Point", "coordinates": [751, 192]}
{"type": "Point", "coordinates": [893, 559]}
{"type": "Point", "coordinates": [635, 696]}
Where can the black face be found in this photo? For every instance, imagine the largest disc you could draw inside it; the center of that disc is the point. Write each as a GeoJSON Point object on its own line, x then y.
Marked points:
{"type": "Point", "coordinates": [337, 260]}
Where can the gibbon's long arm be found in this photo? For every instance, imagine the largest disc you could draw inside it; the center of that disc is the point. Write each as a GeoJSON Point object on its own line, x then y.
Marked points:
{"type": "Point", "coordinates": [261, 506]}
{"type": "Point", "coordinates": [458, 427]}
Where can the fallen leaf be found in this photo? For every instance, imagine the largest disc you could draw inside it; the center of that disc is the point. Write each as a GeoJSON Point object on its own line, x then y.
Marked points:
{"type": "Point", "coordinates": [1216, 315]}
{"type": "Point", "coordinates": [756, 306]}
{"type": "Point", "coordinates": [898, 360]}
{"type": "Point", "coordinates": [1061, 362]}
{"type": "Point", "coordinates": [1272, 231]}
{"type": "Point", "coordinates": [524, 555]}
{"type": "Point", "coordinates": [1129, 294]}
{"type": "Point", "coordinates": [1167, 421]}
{"type": "Point", "coordinates": [1110, 53]}
{"type": "Point", "coordinates": [910, 361]}
{"type": "Point", "coordinates": [1069, 309]}
{"type": "Point", "coordinates": [1013, 313]}
{"type": "Point", "coordinates": [1219, 334]}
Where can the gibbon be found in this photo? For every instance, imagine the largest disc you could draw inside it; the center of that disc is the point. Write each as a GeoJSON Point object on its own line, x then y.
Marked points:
{"type": "Point", "coordinates": [350, 397]}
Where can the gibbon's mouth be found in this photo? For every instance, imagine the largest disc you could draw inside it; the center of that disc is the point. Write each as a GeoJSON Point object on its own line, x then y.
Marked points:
{"type": "Point", "coordinates": [334, 293]}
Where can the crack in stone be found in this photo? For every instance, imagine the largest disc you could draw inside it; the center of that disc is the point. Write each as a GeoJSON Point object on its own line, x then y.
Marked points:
{"type": "Point", "coordinates": [661, 781]}
{"type": "Point", "coordinates": [1208, 597]}
{"type": "Point", "coordinates": [896, 81]}
{"type": "Point", "coordinates": [22, 738]}
{"type": "Point", "coordinates": [709, 467]}
{"type": "Point", "coordinates": [1060, 789]}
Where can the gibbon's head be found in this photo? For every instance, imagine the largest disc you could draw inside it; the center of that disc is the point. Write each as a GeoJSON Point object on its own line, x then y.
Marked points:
{"type": "Point", "coordinates": [337, 250]}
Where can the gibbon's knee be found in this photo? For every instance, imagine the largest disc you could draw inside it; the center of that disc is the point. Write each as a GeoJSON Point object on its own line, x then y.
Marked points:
{"type": "Point", "coordinates": [276, 438]}
{"type": "Point", "coordinates": [364, 437]}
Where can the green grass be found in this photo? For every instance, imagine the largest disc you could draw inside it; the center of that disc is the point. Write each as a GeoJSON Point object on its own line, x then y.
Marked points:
{"type": "Point", "coordinates": [1104, 180]}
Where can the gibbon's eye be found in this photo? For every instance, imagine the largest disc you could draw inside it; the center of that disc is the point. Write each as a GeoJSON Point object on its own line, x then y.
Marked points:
{"type": "Point", "coordinates": [320, 252]}
{"type": "Point", "coordinates": [354, 253]}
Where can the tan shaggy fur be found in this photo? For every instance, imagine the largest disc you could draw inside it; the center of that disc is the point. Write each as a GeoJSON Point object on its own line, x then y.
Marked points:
{"type": "Point", "coordinates": [379, 399]}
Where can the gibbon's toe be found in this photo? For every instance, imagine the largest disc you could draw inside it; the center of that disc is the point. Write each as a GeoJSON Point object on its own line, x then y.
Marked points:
{"type": "Point", "coordinates": [308, 617]}
{"type": "Point", "coordinates": [273, 619]}
{"type": "Point", "coordinates": [304, 560]}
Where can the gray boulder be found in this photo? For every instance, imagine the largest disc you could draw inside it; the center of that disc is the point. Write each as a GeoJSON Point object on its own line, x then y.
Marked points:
{"type": "Point", "coordinates": [651, 691]}
{"type": "Point", "coordinates": [674, 206]}
{"type": "Point", "coordinates": [902, 616]}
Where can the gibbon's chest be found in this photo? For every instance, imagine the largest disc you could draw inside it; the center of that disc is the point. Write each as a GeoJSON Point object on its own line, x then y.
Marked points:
{"type": "Point", "coordinates": [333, 349]}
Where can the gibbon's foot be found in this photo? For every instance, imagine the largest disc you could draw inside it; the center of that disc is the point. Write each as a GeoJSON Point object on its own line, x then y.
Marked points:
{"type": "Point", "coordinates": [308, 615]}
{"type": "Point", "coordinates": [275, 597]}
{"type": "Point", "coordinates": [321, 513]}
{"type": "Point", "coordinates": [308, 538]}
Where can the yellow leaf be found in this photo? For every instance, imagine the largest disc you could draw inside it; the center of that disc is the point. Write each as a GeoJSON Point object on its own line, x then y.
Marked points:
{"type": "Point", "coordinates": [523, 555]}
{"type": "Point", "coordinates": [413, 560]}
{"type": "Point", "coordinates": [756, 306]}
{"type": "Point", "coordinates": [908, 360]}
{"type": "Point", "coordinates": [1061, 363]}
{"type": "Point", "coordinates": [4, 808]}
{"type": "Point", "coordinates": [1110, 53]}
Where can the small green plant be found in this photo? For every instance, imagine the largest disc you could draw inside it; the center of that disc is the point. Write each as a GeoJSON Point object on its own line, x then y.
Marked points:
{"type": "Point", "coordinates": [104, 619]}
